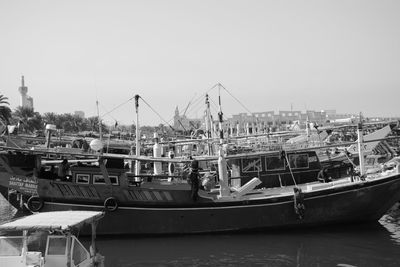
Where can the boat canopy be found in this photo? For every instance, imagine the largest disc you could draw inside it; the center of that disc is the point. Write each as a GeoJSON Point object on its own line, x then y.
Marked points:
{"type": "Point", "coordinates": [52, 221]}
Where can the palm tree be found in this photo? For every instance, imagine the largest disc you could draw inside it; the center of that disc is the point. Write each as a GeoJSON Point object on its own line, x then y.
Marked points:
{"type": "Point", "coordinates": [93, 124]}
{"type": "Point", "coordinates": [5, 111]}
{"type": "Point", "coordinates": [29, 120]}
{"type": "Point", "coordinates": [51, 118]}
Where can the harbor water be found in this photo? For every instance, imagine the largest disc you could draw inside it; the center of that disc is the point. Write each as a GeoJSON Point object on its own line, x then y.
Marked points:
{"type": "Point", "coordinates": [376, 244]}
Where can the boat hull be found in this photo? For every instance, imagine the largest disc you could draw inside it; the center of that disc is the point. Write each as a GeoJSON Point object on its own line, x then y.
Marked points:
{"type": "Point", "coordinates": [358, 202]}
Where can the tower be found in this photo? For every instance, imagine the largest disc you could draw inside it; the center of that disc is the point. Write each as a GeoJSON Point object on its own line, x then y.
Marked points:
{"type": "Point", "coordinates": [26, 100]}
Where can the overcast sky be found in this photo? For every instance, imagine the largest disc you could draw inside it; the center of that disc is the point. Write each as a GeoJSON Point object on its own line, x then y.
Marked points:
{"type": "Point", "coordinates": [271, 55]}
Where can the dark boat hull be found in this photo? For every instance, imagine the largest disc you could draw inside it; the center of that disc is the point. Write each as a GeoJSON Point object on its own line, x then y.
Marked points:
{"type": "Point", "coordinates": [357, 202]}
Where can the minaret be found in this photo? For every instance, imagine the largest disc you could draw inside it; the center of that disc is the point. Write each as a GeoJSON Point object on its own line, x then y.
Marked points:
{"type": "Point", "coordinates": [26, 100]}
{"type": "Point", "coordinates": [176, 118]}
{"type": "Point", "coordinates": [23, 90]}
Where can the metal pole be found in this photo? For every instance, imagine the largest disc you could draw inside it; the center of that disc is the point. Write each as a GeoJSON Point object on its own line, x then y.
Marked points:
{"type": "Point", "coordinates": [137, 162]}
{"type": "Point", "coordinates": [98, 117]}
{"type": "Point", "coordinates": [361, 147]}
{"type": "Point", "coordinates": [94, 225]}
{"type": "Point", "coordinates": [69, 239]}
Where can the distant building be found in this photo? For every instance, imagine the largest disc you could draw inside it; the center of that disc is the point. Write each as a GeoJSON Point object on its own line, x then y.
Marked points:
{"type": "Point", "coordinates": [259, 122]}
{"type": "Point", "coordinates": [80, 114]}
{"type": "Point", "coordinates": [26, 100]}
{"type": "Point", "coordinates": [182, 123]}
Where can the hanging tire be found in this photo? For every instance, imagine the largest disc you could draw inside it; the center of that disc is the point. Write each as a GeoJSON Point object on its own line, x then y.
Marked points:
{"type": "Point", "coordinates": [35, 203]}
{"type": "Point", "coordinates": [111, 204]}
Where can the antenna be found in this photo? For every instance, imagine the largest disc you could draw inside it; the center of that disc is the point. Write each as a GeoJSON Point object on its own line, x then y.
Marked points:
{"type": "Point", "coordinates": [98, 117]}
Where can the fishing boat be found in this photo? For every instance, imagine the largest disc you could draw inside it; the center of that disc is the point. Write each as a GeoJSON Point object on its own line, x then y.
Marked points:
{"type": "Point", "coordinates": [60, 247]}
{"type": "Point", "coordinates": [158, 204]}
{"type": "Point", "coordinates": [136, 201]}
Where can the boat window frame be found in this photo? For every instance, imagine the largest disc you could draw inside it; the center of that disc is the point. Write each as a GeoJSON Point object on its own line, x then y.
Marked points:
{"type": "Point", "coordinates": [251, 171]}
{"type": "Point", "coordinates": [116, 179]}
{"type": "Point", "coordinates": [104, 181]}
{"type": "Point", "coordinates": [48, 245]}
{"type": "Point", "coordinates": [75, 244]}
{"type": "Point", "coordinates": [82, 174]}
{"type": "Point", "coordinates": [19, 248]}
{"type": "Point", "coordinates": [277, 169]}
{"type": "Point", "coordinates": [97, 176]}
{"type": "Point", "coordinates": [290, 156]}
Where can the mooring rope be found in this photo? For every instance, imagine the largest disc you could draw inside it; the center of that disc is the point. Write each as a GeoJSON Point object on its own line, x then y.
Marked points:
{"type": "Point", "coordinates": [290, 169]}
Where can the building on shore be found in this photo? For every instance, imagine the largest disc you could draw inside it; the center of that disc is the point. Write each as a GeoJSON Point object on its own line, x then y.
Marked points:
{"type": "Point", "coordinates": [271, 121]}
{"type": "Point", "coordinates": [80, 114]}
{"type": "Point", "coordinates": [25, 101]}
{"type": "Point", "coordinates": [268, 121]}
{"type": "Point", "coordinates": [185, 124]}
{"type": "Point", "coordinates": [262, 122]}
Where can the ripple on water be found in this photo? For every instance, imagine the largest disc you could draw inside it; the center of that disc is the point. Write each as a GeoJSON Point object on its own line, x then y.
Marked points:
{"type": "Point", "coordinates": [391, 221]}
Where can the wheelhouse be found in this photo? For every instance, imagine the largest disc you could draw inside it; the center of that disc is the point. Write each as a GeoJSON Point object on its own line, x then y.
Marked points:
{"type": "Point", "coordinates": [275, 169]}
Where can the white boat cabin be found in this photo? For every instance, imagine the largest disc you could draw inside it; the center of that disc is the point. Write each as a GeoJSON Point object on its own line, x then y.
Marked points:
{"type": "Point", "coordinates": [47, 240]}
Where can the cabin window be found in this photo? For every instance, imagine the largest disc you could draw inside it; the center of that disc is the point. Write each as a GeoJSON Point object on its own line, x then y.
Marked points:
{"type": "Point", "coordinates": [275, 163]}
{"type": "Point", "coordinates": [251, 165]}
{"type": "Point", "coordinates": [57, 245]}
{"type": "Point", "coordinates": [312, 159]}
{"type": "Point", "coordinates": [298, 161]}
{"type": "Point", "coordinates": [79, 253]}
{"type": "Point", "coordinates": [11, 246]}
{"type": "Point", "coordinates": [82, 178]}
{"type": "Point", "coordinates": [99, 179]}
{"type": "Point", "coordinates": [114, 179]}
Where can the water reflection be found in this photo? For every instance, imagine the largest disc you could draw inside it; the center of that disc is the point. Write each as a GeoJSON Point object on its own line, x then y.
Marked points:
{"type": "Point", "coordinates": [391, 221]}
{"type": "Point", "coordinates": [375, 244]}
{"type": "Point", "coordinates": [365, 245]}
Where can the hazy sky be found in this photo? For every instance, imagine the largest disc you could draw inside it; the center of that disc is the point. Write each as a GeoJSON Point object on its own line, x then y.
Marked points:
{"type": "Point", "coordinates": [342, 55]}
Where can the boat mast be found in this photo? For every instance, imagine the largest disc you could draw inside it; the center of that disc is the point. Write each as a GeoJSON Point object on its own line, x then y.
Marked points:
{"type": "Point", "coordinates": [221, 131]}
{"type": "Point", "coordinates": [208, 124]}
{"type": "Point", "coordinates": [361, 146]}
{"type": "Point", "coordinates": [137, 162]}
{"type": "Point", "coordinates": [308, 132]}
{"type": "Point", "coordinates": [222, 164]}
{"type": "Point", "coordinates": [98, 117]}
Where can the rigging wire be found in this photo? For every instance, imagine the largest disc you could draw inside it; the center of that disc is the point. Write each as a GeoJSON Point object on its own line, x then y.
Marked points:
{"type": "Point", "coordinates": [194, 109]}
{"type": "Point", "coordinates": [201, 97]}
{"type": "Point", "coordinates": [236, 99]}
{"type": "Point", "coordinates": [144, 101]}
{"type": "Point", "coordinates": [130, 99]}
{"type": "Point", "coordinates": [108, 113]}
{"type": "Point", "coordinates": [197, 101]}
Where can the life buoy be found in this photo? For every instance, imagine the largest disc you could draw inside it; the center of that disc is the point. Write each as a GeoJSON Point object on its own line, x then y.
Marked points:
{"type": "Point", "coordinates": [35, 203]}
{"type": "Point", "coordinates": [111, 204]}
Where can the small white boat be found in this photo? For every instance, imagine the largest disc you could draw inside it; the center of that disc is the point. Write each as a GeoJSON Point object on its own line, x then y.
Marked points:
{"type": "Point", "coordinates": [61, 246]}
